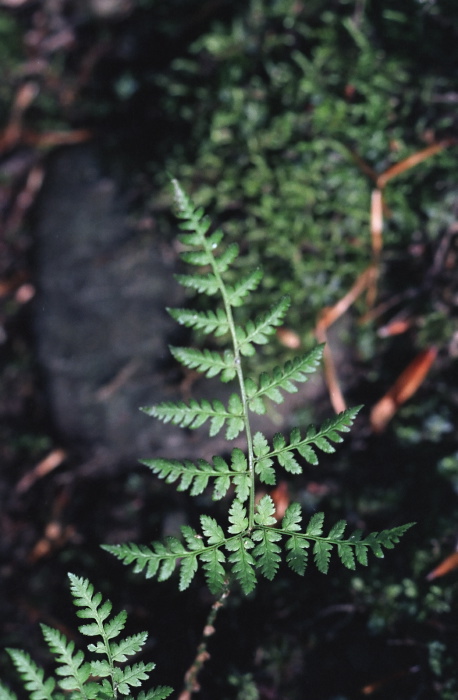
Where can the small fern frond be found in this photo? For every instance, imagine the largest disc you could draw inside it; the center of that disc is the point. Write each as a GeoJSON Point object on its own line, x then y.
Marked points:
{"type": "Point", "coordinates": [206, 361]}
{"type": "Point", "coordinates": [87, 680]}
{"type": "Point", "coordinates": [33, 677]}
{"type": "Point", "coordinates": [284, 378]}
{"type": "Point", "coordinates": [159, 693]}
{"type": "Point", "coordinates": [73, 669]}
{"type": "Point", "coordinates": [243, 563]}
{"type": "Point", "coordinates": [195, 477]}
{"type": "Point", "coordinates": [349, 551]}
{"type": "Point", "coordinates": [259, 330]}
{"type": "Point", "coordinates": [237, 292]}
{"type": "Point", "coordinates": [205, 321]}
{"type": "Point", "coordinates": [6, 693]}
{"type": "Point", "coordinates": [198, 412]}
{"type": "Point", "coordinates": [131, 676]}
{"type": "Point", "coordinates": [204, 284]}
{"type": "Point", "coordinates": [283, 452]}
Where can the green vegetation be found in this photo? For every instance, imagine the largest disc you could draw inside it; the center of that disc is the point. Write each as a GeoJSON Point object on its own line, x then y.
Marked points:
{"type": "Point", "coordinates": [276, 117]}
{"type": "Point", "coordinates": [105, 676]}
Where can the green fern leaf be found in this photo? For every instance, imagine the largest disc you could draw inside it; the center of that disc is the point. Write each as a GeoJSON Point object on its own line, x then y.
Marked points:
{"type": "Point", "coordinates": [197, 257]}
{"type": "Point", "coordinates": [204, 284]}
{"type": "Point", "coordinates": [262, 328]}
{"type": "Point", "coordinates": [205, 321]}
{"type": "Point", "coordinates": [207, 362]}
{"type": "Point", "coordinates": [319, 438]}
{"type": "Point", "coordinates": [215, 572]}
{"type": "Point", "coordinates": [74, 671]}
{"type": "Point", "coordinates": [6, 693]}
{"type": "Point", "coordinates": [292, 518]}
{"type": "Point", "coordinates": [346, 555]}
{"type": "Point", "coordinates": [212, 531]}
{"type": "Point", "coordinates": [32, 676]}
{"type": "Point", "coordinates": [197, 413]}
{"type": "Point", "coordinates": [284, 457]}
{"type": "Point", "coordinates": [237, 292]}
{"type": "Point", "coordinates": [120, 651]}
{"type": "Point", "coordinates": [131, 676]}
{"type": "Point", "coordinates": [167, 568]}
{"type": "Point", "coordinates": [267, 552]}
{"type": "Point", "coordinates": [265, 512]}
{"type": "Point", "coordinates": [226, 258]}
{"type": "Point", "coordinates": [283, 378]}
{"type": "Point", "coordinates": [192, 539]}
{"type": "Point", "coordinates": [242, 562]}
{"type": "Point", "coordinates": [322, 554]}
{"type": "Point", "coordinates": [188, 570]}
{"type": "Point", "coordinates": [237, 518]}
{"type": "Point", "coordinates": [263, 463]}
{"type": "Point", "coordinates": [114, 627]}
{"type": "Point", "coordinates": [297, 555]}
{"type": "Point", "coordinates": [337, 530]}
{"type": "Point", "coordinates": [315, 526]}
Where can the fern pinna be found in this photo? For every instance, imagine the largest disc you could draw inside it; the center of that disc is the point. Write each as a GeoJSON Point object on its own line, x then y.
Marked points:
{"type": "Point", "coordinates": [253, 542]}
{"type": "Point", "coordinates": [106, 676]}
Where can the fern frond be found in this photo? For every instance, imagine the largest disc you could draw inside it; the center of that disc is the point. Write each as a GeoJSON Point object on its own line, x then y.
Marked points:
{"type": "Point", "coordinates": [283, 378]}
{"type": "Point", "coordinates": [159, 693]}
{"type": "Point", "coordinates": [297, 554]}
{"type": "Point", "coordinates": [32, 676]}
{"type": "Point", "coordinates": [198, 412]}
{"type": "Point", "coordinates": [6, 693]}
{"type": "Point", "coordinates": [321, 438]}
{"type": "Point", "coordinates": [259, 330]}
{"type": "Point", "coordinates": [120, 651]}
{"type": "Point", "coordinates": [131, 676]}
{"type": "Point", "coordinates": [349, 551]}
{"type": "Point", "coordinates": [73, 669]}
{"type": "Point", "coordinates": [267, 552]}
{"type": "Point", "coordinates": [238, 518]}
{"type": "Point", "coordinates": [243, 563]}
{"type": "Point", "coordinates": [263, 463]}
{"type": "Point", "coordinates": [252, 541]}
{"type": "Point", "coordinates": [215, 573]}
{"type": "Point", "coordinates": [195, 477]}
{"type": "Point", "coordinates": [226, 258]}
{"type": "Point", "coordinates": [205, 321]}
{"type": "Point", "coordinates": [204, 284]}
{"type": "Point", "coordinates": [238, 291]}
{"type": "Point", "coordinates": [206, 361]}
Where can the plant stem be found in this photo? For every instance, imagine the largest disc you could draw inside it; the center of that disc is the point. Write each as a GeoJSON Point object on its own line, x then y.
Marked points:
{"type": "Point", "coordinates": [191, 685]}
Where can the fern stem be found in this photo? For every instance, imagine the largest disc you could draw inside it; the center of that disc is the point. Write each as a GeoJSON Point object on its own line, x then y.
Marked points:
{"type": "Point", "coordinates": [191, 684]}
{"type": "Point", "coordinates": [240, 378]}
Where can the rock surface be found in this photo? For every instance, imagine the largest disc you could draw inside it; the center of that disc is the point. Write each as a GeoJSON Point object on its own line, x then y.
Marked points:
{"type": "Point", "coordinates": [101, 327]}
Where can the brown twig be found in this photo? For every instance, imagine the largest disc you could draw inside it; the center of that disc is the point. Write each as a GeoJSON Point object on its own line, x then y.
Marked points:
{"type": "Point", "coordinates": [191, 684]}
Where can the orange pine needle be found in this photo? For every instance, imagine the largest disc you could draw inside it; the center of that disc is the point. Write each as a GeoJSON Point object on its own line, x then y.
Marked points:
{"type": "Point", "coordinates": [412, 161]}
{"type": "Point", "coordinates": [53, 460]}
{"type": "Point", "coordinates": [449, 564]}
{"type": "Point", "coordinates": [405, 386]}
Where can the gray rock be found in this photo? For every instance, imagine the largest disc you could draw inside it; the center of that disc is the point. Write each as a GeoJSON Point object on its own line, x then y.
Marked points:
{"type": "Point", "coordinates": [101, 327]}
